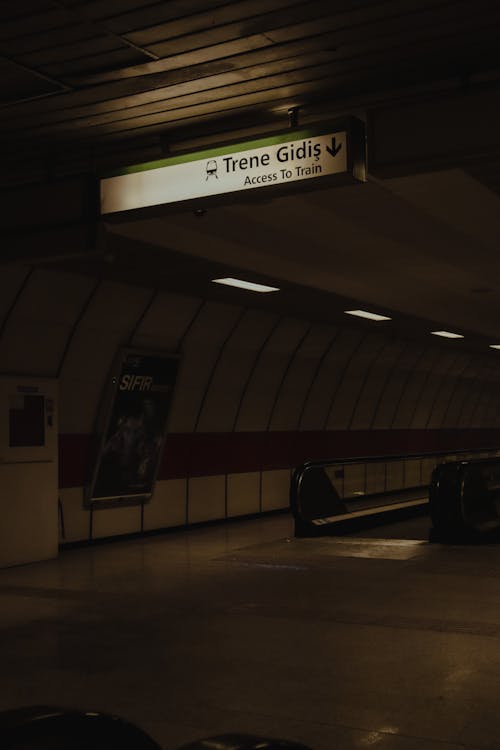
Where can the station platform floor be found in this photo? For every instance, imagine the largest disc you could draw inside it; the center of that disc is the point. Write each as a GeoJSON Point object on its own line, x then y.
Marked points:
{"type": "Point", "coordinates": [378, 640]}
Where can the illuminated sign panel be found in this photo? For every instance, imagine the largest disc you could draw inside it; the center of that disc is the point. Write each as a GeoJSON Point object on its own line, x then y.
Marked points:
{"type": "Point", "coordinates": [280, 160]}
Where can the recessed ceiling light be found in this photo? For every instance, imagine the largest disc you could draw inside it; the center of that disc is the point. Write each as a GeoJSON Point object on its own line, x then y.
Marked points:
{"type": "Point", "coordinates": [246, 285]}
{"type": "Point", "coordinates": [366, 314]}
{"type": "Point", "coordinates": [447, 334]}
{"type": "Point", "coordinates": [494, 346]}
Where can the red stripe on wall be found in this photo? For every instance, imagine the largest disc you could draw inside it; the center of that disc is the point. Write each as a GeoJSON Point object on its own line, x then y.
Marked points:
{"type": "Point", "coordinates": [206, 454]}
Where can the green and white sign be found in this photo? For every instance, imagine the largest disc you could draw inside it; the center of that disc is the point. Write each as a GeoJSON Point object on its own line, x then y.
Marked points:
{"type": "Point", "coordinates": [282, 159]}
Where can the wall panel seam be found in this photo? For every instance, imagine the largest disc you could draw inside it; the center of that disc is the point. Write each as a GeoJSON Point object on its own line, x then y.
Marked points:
{"type": "Point", "coordinates": [316, 372]}
{"type": "Point", "coordinates": [481, 391]}
{"type": "Point", "coordinates": [454, 389]}
{"type": "Point", "coordinates": [15, 301]}
{"type": "Point", "coordinates": [465, 398]}
{"type": "Point", "coordinates": [191, 323]}
{"type": "Point", "coordinates": [368, 372]}
{"type": "Point", "coordinates": [440, 387]}
{"type": "Point", "coordinates": [420, 396]}
{"type": "Point", "coordinates": [253, 368]}
{"type": "Point", "coordinates": [291, 360]}
{"type": "Point", "coordinates": [469, 399]}
{"type": "Point", "coordinates": [141, 317]}
{"type": "Point", "coordinates": [76, 325]}
{"type": "Point", "coordinates": [402, 350]}
{"type": "Point", "coordinates": [411, 371]}
{"type": "Point", "coordinates": [343, 373]}
{"type": "Point", "coordinates": [215, 365]}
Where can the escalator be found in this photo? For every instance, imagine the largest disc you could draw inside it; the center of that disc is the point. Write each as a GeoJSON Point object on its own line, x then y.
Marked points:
{"type": "Point", "coordinates": [459, 500]}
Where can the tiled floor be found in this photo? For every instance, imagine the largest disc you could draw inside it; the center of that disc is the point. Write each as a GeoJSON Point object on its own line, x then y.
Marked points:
{"type": "Point", "coordinates": [347, 643]}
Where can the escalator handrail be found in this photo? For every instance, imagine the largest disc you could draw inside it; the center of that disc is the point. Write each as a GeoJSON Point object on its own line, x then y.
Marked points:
{"type": "Point", "coordinates": [300, 471]}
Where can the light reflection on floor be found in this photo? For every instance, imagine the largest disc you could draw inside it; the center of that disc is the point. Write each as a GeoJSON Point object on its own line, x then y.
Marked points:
{"type": "Point", "coordinates": [378, 640]}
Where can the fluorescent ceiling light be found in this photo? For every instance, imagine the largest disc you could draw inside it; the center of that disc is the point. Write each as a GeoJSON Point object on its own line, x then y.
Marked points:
{"type": "Point", "coordinates": [494, 346]}
{"type": "Point", "coordinates": [246, 285]}
{"type": "Point", "coordinates": [447, 334]}
{"type": "Point", "coordinates": [365, 314]}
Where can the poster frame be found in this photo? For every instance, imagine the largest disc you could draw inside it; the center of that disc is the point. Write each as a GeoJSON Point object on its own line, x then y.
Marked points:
{"type": "Point", "coordinates": [104, 418]}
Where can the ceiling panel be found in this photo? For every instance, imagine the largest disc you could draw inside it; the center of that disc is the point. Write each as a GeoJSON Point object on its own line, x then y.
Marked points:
{"type": "Point", "coordinates": [136, 70]}
{"type": "Point", "coordinates": [20, 83]}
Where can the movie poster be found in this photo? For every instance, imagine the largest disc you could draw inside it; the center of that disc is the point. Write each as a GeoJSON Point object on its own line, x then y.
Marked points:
{"type": "Point", "coordinates": [132, 443]}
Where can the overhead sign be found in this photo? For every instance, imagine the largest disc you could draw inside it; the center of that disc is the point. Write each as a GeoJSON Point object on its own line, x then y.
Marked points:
{"type": "Point", "coordinates": [280, 160]}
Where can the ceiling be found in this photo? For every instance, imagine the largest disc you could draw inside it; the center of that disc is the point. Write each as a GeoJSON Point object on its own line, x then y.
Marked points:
{"type": "Point", "coordinates": [394, 246]}
{"type": "Point", "coordinates": [94, 82]}
{"type": "Point", "coordinates": [87, 85]}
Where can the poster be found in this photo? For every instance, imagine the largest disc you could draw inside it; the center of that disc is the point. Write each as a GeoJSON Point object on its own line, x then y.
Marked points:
{"type": "Point", "coordinates": [132, 442]}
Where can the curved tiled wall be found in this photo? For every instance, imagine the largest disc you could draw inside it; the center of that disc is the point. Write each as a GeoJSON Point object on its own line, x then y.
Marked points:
{"type": "Point", "coordinates": [257, 392]}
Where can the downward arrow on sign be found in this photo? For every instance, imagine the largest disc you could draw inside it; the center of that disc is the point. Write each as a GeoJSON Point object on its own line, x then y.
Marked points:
{"type": "Point", "coordinates": [333, 151]}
